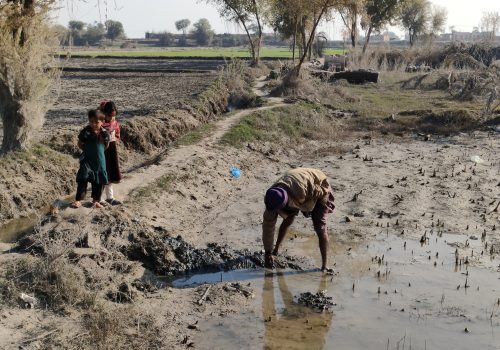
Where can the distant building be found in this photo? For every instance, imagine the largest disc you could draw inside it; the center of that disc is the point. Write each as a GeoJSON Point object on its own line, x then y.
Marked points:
{"type": "Point", "coordinates": [475, 36]}
{"type": "Point", "coordinates": [384, 37]}
{"type": "Point", "coordinates": [153, 35]}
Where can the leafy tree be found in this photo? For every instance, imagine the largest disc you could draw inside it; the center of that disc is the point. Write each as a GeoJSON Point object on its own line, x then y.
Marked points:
{"type": "Point", "coordinates": [378, 14]}
{"type": "Point", "coordinates": [27, 44]}
{"type": "Point", "coordinates": [75, 32]}
{"type": "Point", "coordinates": [94, 34]}
{"type": "Point", "coordinates": [350, 12]}
{"type": "Point", "coordinates": [182, 25]}
{"type": "Point", "coordinates": [290, 17]}
{"type": "Point", "coordinates": [165, 39]}
{"type": "Point", "coordinates": [286, 19]}
{"type": "Point", "coordinates": [203, 32]}
{"type": "Point", "coordinates": [437, 21]}
{"type": "Point", "coordinates": [415, 17]}
{"type": "Point", "coordinates": [114, 30]}
{"type": "Point", "coordinates": [62, 34]}
{"type": "Point", "coordinates": [249, 14]}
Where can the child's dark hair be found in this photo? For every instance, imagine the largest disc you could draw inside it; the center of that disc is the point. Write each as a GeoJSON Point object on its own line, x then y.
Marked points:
{"type": "Point", "coordinates": [108, 107]}
{"type": "Point", "coordinates": [94, 114]}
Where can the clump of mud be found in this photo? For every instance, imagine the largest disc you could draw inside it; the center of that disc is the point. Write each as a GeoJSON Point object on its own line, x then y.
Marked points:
{"type": "Point", "coordinates": [320, 300]}
{"type": "Point", "coordinates": [167, 255]}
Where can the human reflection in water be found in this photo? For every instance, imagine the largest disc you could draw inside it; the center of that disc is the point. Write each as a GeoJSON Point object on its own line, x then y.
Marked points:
{"type": "Point", "coordinates": [296, 326]}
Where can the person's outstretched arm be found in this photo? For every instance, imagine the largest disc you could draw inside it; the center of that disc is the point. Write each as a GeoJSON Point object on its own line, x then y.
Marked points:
{"type": "Point", "coordinates": [268, 227]}
{"type": "Point", "coordinates": [282, 232]}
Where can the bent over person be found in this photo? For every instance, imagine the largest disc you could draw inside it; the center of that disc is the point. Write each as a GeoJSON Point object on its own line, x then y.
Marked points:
{"type": "Point", "coordinates": [302, 189]}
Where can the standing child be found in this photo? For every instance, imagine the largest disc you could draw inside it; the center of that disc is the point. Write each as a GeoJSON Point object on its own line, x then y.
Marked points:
{"type": "Point", "coordinates": [93, 140]}
{"type": "Point", "coordinates": [112, 161]}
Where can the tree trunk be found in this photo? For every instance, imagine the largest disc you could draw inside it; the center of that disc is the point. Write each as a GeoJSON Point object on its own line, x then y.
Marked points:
{"type": "Point", "coordinates": [259, 43]}
{"type": "Point", "coordinates": [296, 71]}
{"type": "Point", "coordinates": [294, 41]}
{"type": "Point", "coordinates": [15, 126]}
{"type": "Point", "coordinates": [304, 36]}
{"type": "Point", "coordinates": [252, 46]}
{"type": "Point", "coordinates": [16, 130]}
{"type": "Point", "coordinates": [353, 31]}
{"type": "Point", "coordinates": [367, 39]}
{"type": "Point", "coordinates": [309, 54]}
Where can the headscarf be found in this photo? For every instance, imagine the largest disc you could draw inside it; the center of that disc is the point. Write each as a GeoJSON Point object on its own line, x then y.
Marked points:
{"type": "Point", "coordinates": [276, 198]}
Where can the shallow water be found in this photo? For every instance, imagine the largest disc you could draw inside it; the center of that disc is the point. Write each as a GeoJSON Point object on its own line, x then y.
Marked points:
{"type": "Point", "coordinates": [418, 307]}
{"type": "Point", "coordinates": [16, 228]}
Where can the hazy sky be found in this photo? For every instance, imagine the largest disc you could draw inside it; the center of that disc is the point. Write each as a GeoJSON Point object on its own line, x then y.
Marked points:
{"type": "Point", "coordinates": [139, 16]}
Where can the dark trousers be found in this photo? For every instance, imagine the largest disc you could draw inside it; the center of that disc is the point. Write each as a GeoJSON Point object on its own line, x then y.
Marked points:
{"type": "Point", "coordinates": [96, 191]}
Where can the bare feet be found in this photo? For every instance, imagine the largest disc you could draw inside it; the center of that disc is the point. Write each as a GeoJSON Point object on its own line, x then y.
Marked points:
{"type": "Point", "coordinates": [327, 270]}
{"type": "Point", "coordinates": [268, 261]}
{"type": "Point", "coordinates": [96, 205]}
{"type": "Point", "coordinates": [76, 204]}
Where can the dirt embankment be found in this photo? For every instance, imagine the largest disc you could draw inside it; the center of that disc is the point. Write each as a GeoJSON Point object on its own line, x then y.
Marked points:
{"type": "Point", "coordinates": [101, 267]}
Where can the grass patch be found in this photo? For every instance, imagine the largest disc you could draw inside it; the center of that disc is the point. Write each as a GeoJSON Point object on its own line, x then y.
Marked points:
{"type": "Point", "coordinates": [387, 97]}
{"type": "Point", "coordinates": [271, 52]}
{"type": "Point", "coordinates": [291, 125]}
{"type": "Point", "coordinates": [196, 135]}
{"type": "Point", "coordinates": [33, 156]}
{"type": "Point", "coordinates": [162, 184]}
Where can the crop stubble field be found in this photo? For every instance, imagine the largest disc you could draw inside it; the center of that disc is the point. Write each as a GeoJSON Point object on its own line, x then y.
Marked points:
{"type": "Point", "coordinates": [140, 88]}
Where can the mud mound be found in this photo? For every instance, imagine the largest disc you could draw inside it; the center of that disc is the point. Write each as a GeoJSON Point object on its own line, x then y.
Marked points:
{"type": "Point", "coordinates": [461, 61]}
{"type": "Point", "coordinates": [460, 119]}
{"type": "Point", "coordinates": [172, 256]}
{"type": "Point", "coordinates": [119, 241]}
{"type": "Point", "coordinates": [456, 55]}
{"type": "Point", "coordinates": [31, 179]}
{"type": "Point", "coordinates": [147, 134]}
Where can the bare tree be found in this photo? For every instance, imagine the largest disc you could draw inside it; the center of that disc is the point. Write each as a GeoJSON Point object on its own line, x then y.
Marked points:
{"type": "Point", "coordinates": [26, 59]}
{"type": "Point", "coordinates": [490, 22]}
{"type": "Point", "coordinates": [437, 21]}
{"type": "Point", "coordinates": [247, 13]}
{"type": "Point", "coordinates": [378, 14]}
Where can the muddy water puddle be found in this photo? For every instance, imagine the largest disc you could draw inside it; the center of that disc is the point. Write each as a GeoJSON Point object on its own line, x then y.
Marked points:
{"type": "Point", "coordinates": [15, 229]}
{"type": "Point", "coordinates": [420, 300]}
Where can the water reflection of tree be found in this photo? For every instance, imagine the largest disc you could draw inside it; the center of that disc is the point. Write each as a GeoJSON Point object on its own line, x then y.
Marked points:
{"type": "Point", "coordinates": [296, 327]}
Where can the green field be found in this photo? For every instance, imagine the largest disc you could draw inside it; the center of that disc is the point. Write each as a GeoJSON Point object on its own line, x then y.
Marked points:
{"type": "Point", "coordinates": [274, 52]}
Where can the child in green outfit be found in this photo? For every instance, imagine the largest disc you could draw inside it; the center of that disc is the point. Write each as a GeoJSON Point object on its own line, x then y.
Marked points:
{"type": "Point", "coordinates": [93, 140]}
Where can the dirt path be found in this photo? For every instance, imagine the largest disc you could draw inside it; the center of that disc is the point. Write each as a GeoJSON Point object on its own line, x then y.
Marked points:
{"type": "Point", "coordinates": [176, 157]}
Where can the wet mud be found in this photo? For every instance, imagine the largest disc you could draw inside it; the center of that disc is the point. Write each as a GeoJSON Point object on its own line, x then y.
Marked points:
{"type": "Point", "coordinates": [389, 293]}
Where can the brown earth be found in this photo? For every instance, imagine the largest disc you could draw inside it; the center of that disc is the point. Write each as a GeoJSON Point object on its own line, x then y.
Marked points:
{"type": "Point", "coordinates": [405, 185]}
